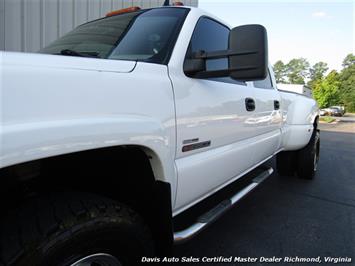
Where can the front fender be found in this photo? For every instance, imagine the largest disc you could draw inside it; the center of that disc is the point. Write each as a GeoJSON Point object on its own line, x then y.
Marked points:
{"type": "Point", "coordinates": [33, 141]}
{"type": "Point", "coordinates": [50, 110]}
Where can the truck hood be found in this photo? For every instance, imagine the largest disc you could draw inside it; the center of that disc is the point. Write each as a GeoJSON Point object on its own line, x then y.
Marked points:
{"type": "Point", "coordinates": [65, 62]}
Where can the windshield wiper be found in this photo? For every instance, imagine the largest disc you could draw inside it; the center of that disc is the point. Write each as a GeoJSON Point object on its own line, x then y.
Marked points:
{"type": "Point", "coordinates": [81, 54]}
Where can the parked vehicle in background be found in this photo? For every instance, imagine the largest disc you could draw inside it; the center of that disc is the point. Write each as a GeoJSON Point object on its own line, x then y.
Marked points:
{"type": "Point", "coordinates": [323, 112]}
{"type": "Point", "coordinates": [334, 111]}
{"type": "Point", "coordinates": [129, 121]}
{"type": "Point", "coordinates": [341, 109]}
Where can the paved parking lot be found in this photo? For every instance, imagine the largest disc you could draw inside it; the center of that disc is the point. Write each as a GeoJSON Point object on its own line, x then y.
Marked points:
{"type": "Point", "coordinates": [347, 118]}
{"type": "Point", "coordinates": [287, 216]}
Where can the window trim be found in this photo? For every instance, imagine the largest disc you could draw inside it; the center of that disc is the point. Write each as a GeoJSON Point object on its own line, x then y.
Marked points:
{"type": "Point", "coordinates": [175, 39]}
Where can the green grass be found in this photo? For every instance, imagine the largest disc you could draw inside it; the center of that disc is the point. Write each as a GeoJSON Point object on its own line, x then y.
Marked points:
{"type": "Point", "coordinates": [327, 119]}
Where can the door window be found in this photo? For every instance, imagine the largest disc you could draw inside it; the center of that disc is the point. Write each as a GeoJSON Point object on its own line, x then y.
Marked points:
{"type": "Point", "coordinates": [210, 35]}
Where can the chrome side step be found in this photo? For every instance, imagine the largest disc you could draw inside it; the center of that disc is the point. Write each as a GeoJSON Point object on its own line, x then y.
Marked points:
{"type": "Point", "coordinates": [212, 215]}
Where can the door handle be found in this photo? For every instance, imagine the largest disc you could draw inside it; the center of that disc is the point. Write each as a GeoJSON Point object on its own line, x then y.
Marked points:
{"type": "Point", "coordinates": [276, 105]}
{"type": "Point", "coordinates": [250, 104]}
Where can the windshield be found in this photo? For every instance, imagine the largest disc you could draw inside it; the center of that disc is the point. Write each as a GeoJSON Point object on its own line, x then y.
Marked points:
{"type": "Point", "coordinates": [147, 35]}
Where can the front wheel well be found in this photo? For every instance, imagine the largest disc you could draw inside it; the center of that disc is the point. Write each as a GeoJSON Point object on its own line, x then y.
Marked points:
{"type": "Point", "coordinates": [103, 171]}
{"type": "Point", "coordinates": [120, 173]}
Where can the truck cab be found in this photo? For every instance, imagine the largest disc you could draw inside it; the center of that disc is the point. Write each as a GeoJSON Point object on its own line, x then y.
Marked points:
{"type": "Point", "coordinates": [113, 132]}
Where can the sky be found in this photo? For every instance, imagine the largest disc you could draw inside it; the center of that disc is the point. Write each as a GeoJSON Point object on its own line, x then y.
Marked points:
{"type": "Point", "coordinates": [315, 30]}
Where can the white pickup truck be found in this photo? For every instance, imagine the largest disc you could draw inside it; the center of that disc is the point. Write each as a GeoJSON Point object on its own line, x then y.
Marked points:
{"type": "Point", "coordinates": [116, 130]}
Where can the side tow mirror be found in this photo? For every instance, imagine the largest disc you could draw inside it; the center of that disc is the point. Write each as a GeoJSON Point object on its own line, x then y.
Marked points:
{"type": "Point", "coordinates": [249, 59]}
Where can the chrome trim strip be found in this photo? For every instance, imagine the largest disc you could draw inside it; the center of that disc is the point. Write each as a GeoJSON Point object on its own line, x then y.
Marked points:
{"type": "Point", "coordinates": [188, 233]}
{"type": "Point", "coordinates": [237, 197]}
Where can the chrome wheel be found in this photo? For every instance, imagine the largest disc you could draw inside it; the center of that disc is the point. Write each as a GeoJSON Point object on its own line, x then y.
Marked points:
{"type": "Point", "coordinates": [315, 162]}
{"type": "Point", "coordinates": [99, 259]}
{"type": "Point", "coordinates": [316, 154]}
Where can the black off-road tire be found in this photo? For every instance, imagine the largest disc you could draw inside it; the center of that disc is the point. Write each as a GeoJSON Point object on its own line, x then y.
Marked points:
{"type": "Point", "coordinates": [59, 230]}
{"type": "Point", "coordinates": [285, 163]}
{"type": "Point", "coordinates": [308, 157]}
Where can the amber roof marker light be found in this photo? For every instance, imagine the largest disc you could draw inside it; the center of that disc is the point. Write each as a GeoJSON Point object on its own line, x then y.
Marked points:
{"type": "Point", "coordinates": [137, 8]}
{"type": "Point", "coordinates": [123, 11]}
{"type": "Point", "coordinates": [175, 3]}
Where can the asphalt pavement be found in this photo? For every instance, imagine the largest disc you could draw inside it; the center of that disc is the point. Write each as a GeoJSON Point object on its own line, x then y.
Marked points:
{"type": "Point", "coordinates": [347, 118]}
{"type": "Point", "coordinates": [289, 217]}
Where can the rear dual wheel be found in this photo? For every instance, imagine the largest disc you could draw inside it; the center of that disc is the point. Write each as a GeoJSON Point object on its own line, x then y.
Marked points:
{"type": "Point", "coordinates": [303, 162]}
{"type": "Point", "coordinates": [308, 157]}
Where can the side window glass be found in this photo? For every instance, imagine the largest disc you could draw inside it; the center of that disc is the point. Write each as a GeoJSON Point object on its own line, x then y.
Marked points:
{"type": "Point", "coordinates": [209, 36]}
{"type": "Point", "coordinates": [265, 83]}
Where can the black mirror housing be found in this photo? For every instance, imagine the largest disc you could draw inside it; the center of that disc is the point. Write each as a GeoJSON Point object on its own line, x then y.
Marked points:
{"type": "Point", "coordinates": [247, 56]}
{"type": "Point", "coordinates": [249, 43]}
{"type": "Point", "coordinates": [193, 66]}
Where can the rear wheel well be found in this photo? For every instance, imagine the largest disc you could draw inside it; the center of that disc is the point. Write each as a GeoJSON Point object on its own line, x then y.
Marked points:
{"type": "Point", "coordinates": [315, 123]}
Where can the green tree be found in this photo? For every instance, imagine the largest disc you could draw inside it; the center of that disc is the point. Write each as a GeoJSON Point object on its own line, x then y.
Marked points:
{"type": "Point", "coordinates": [326, 91]}
{"type": "Point", "coordinates": [280, 71]}
{"type": "Point", "coordinates": [297, 70]}
{"type": "Point", "coordinates": [318, 70]}
{"type": "Point", "coordinates": [316, 73]}
{"type": "Point", "coordinates": [349, 60]}
{"type": "Point", "coordinates": [347, 83]}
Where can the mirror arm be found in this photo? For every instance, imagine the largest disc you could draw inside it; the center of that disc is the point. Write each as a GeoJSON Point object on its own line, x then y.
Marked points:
{"type": "Point", "coordinates": [221, 73]}
{"type": "Point", "coordinates": [220, 54]}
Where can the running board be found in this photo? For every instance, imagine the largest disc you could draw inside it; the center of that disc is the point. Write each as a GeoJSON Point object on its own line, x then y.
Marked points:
{"type": "Point", "coordinates": [212, 215]}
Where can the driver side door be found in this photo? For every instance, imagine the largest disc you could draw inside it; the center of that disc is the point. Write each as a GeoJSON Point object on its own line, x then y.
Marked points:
{"type": "Point", "coordinates": [214, 127]}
